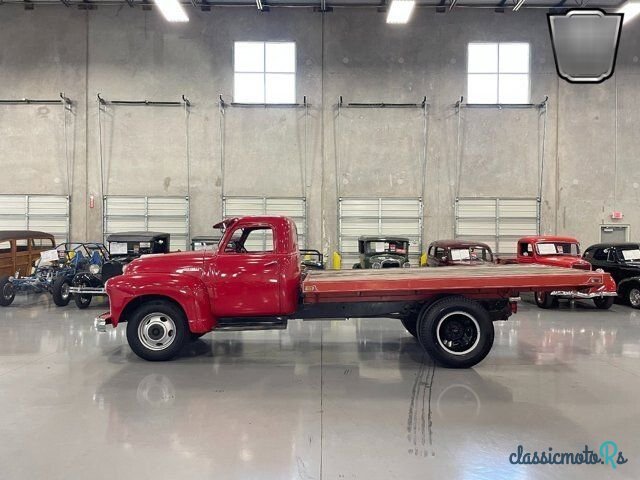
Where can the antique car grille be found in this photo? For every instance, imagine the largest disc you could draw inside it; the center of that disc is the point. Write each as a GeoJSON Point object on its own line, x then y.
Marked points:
{"type": "Point", "coordinates": [390, 264]}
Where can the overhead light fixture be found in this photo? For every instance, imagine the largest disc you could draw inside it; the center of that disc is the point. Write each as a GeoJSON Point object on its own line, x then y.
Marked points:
{"type": "Point", "coordinates": [400, 11]}
{"type": "Point", "coordinates": [631, 10]}
{"type": "Point", "coordinates": [518, 5]}
{"type": "Point", "coordinates": [172, 10]}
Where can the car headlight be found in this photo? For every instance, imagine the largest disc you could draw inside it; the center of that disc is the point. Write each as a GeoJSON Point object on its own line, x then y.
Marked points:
{"type": "Point", "coordinates": [94, 269]}
{"type": "Point", "coordinates": [406, 265]}
{"type": "Point", "coordinates": [377, 265]}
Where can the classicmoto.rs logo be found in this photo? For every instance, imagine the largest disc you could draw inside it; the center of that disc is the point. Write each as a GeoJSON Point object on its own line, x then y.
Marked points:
{"type": "Point", "coordinates": [608, 453]}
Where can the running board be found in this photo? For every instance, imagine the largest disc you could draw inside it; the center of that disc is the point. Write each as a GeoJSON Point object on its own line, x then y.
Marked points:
{"type": "Point", "coordinates": [241, 324]}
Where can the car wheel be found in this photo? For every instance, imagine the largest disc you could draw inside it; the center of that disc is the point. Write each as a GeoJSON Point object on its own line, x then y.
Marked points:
{"type": "Point", "coordinates": [82, 301]}
{"type": "Point", "coordinates": [544, 300]}
{"type": "Point", "coordinates": [356, 266]}
{"type": "Point", "coordinates": [604, 303]}
{"type": "Point", "coordinates": [7, 292]}
{"type": "Point", "coordinates": [633, 297]}
{"type": "Point", "coordinates": [456, 332]}
{"type": "Point", "coordinates": [157, 330]}
{"type": "Point", "coordinates": [411, 324]}
{"type": "Point", "coordinates": [61, 293]}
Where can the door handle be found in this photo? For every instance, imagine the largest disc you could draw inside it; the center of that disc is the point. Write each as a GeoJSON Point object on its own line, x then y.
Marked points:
{"type": "Point", "coordinates": [271, 263]}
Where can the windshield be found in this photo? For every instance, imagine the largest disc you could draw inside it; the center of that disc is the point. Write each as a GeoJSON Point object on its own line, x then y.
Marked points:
{"type": "Point", "coordinates": [558, 248]}
{"type": "Point", "coordinates": [397, 247]}
{"type": "Point", "coordinates": [630, 254]}
{"type": "Point", "coordinates": [471, 254]}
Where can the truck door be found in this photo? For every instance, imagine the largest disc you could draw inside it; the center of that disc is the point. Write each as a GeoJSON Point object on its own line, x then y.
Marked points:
{"type": "Point", "coordinates": [246, 274]}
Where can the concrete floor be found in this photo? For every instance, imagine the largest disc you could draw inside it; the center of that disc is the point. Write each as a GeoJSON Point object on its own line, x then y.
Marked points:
{"type": "Point", "coordinates": [333, 400]}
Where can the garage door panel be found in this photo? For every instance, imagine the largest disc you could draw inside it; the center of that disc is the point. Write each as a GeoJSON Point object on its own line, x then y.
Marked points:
{"type": "Point", "coordinates": [47, 213]}
{"type": "Point", "coordinates": [292, 207]}
{"type": "Point", "coordinates": [499, 222]}
{"type": "Point", "coordinates": [149, 214]}
{"type": "Point", "coordinates": [378, 216]}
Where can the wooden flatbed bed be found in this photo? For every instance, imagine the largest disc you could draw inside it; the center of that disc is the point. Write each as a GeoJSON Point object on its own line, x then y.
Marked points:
{"type": "Point", "coordinates": [500, 281]}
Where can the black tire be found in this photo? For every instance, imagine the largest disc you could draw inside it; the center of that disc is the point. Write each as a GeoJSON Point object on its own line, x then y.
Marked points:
{"type": "Point", "coordinates": [411, 324]}
{"type": "Point", "coordinates": [7, 292]}
{"type": "Point", "coordinates": [196, 336]}
{"type": "Point", "coordinates": [82, 301]}
{"type": "Point", "coordinates": [633, 296]}
{"type": "Point", "coordinates": [356, 266]}
{"type": "Point", "coordinates": [456, 332]}
{"type": "Point", "coordinates": [544, 300]}
{"type": "Point", "coordinates": [61, 294]}
{"type": "Point", "coordinates": [603, 303]}
{"type": "Point", "coordinates": [164, 341]}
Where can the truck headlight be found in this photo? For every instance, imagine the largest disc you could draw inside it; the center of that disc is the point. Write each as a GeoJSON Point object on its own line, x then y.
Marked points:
{"type": "Point", "coordinates": [94, 269]}
{"type": "Point", "coordinates": [377, 265]}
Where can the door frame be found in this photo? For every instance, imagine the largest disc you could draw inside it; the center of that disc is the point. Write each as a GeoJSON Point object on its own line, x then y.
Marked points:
{"type": "Point", "coordinates": [626, 226]}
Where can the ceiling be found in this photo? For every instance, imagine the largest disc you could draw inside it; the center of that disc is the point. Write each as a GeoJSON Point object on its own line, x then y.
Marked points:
{"type": "Point", "coordinates": [328, 4]}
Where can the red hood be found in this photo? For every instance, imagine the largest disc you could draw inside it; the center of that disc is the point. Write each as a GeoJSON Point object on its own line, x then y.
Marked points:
{"type": "Point", "coordinates": [179, 262]}
{"type": "Point", "coordinates": [566, 261]}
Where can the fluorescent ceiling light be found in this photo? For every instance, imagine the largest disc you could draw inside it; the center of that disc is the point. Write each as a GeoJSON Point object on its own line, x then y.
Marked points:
{"type": "Point", "coordinates": [631, 10]}
{"type": "Point", "coordinates": [400, 11]}
{"type": "Point", "coordinates": [172, 10]}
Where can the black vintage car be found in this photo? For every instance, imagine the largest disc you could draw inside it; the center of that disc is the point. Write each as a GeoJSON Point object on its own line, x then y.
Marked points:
{"type": "Point", "coordinates": [622, 261]}
{"type": "Point", "coordinates": [383, 252]}
{"type": "Point", "coordinates": [123, 248]}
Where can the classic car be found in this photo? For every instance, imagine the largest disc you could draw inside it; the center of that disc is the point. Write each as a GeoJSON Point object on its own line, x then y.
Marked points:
{"type": "Point", "coordinates": [123, 247]}
{"type": "Point", "coordinates": [560, 252]}
{"type": "Point", "coordinates": [53, 272]}
{"type": "Point", "coordinates": [383, 252]}
{"type": "Point", "coordinates": [20, 249]}
{"type": "Point", "coordinates": [622, 261]}
{"type": "Point", "coordinates": [443, 253]}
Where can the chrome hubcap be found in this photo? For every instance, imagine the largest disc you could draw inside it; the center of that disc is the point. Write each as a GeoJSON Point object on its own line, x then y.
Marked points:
{"type": "Point", "coordinates": [634, 297]}
{"type": "Point", "coordinates": [458, 333]}
{"type": "Point", "coordinates": [7, 291]}
{"type": "Point", "coordinates": [157, 331]}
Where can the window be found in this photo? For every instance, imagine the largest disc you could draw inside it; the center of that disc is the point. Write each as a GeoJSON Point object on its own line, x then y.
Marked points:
{"type": "Point", "coordinates": [498, 73]}
{"type": "Point", "coordinates": [22, 245]}
{"type": "Point", "coordinates": [250, 240]}
{"type": "Point", "coordinates": [5, 247]}
{"type": "Point", "coordinates": [42, 243]}
{"type": "Point", "coordinates": [264, 72]}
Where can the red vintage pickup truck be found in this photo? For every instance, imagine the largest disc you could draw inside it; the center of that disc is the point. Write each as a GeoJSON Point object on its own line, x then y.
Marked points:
{"type": "Point", "coordinates": [254, 280]}
{"type": "Point", "coordinates": [557, 251]}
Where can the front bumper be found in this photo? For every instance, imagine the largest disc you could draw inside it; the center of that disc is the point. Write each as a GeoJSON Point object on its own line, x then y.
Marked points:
{"type": "Point", "coordinates": [582, 295]}
{"type": "Point", "coordinates": [101, 321]}
{"type": "Point", "coordinates": [88, 290]}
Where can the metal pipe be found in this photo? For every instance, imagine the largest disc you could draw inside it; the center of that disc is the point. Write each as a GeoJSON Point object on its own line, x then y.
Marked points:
{"type": "Point", "coordinates": [143, 103]}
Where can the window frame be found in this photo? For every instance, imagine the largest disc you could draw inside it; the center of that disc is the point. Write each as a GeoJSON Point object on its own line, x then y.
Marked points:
{"type": "Point", "coordinates": [264, 71]}
{"type": "Point", "coordinates": [497, 73]}
{"type": "Point", "coordinates": [246, 231]}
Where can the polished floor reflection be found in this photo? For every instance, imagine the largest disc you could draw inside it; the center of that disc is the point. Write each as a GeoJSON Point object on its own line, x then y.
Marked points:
{"type": "Point", "coordinates": [332, 400]}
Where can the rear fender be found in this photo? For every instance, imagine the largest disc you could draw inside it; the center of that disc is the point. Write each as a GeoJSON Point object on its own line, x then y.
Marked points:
{"type": "Point", "coordinates": [190, 293]}
{"type": "Point", "coordinates": [627, 282]}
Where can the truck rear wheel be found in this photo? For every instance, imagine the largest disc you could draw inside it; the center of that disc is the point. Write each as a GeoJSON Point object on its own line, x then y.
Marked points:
{"type": "Point", "coordinates": [544, 300]}
{"type": "Point", "coordinates": [157, 330]}
{"type": "Point", "coordinates": [457, 332]}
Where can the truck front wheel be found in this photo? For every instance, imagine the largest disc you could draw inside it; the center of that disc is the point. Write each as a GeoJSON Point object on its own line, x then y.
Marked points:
{"type": "Point", "coordinates": [157, 330]}
{"type": "Point", "coordinates": [457, 332]}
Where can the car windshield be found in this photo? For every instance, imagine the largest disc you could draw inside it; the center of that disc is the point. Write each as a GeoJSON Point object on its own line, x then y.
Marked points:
{"type": "Point", "coordinates": [558, 248]}
{"type": "Point", "coordinates": [386, 246]}
{"type": "Point", "coordinates": [630, 254]}
{"type": "Point", "coordinates": [471, 254]}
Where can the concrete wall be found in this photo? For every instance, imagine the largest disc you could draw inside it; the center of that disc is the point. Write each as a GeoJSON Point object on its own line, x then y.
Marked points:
{"type": "Point", "coordinates": [125, 53]}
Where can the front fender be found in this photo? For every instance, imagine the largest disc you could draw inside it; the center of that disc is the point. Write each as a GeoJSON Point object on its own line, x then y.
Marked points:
{"type": "Point", "coordinates": [189, 292]}
{"type": "Point", "coordinates": [628, 281]}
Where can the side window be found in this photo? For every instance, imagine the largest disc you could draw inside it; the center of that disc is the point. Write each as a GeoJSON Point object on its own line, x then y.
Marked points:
{"type": "Point", "coordinates": [22, 245]}
{"type": "Point", "coordinates": [42, 243]}
{"type": "Point", "coordinates": [600, 255]}
{"type": "Point", "coordinates": [525, 249]}
{"type": "Point", "coordinates": [439, 252]}
{"type": "Point", "coordinates": [5, 247]}
{"type": "Point", "coordinates": [430, 251]}
{"type": "Point", "coordinates": [251, 240]}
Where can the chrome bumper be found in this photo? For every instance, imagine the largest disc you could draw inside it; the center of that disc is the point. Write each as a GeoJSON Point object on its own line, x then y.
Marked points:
{"type": "Point", "coordinates": [100, 324]}
{"type": "Point", "coordinates": [87, 290]}
{"type": "Point", "coordinates": [573, 294]}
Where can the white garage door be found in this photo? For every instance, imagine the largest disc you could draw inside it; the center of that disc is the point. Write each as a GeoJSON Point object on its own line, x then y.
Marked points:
{"type": "Point", "coordinates": [498, 222]}
{"type": "Point", "coordinates": [378, 216]}
{"type": "Point", "coordinates": [46, 213]}
{"type": "Point", "coordinates": [148, 214]}
{"type": "Point", "coordinates": [292, 207]}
